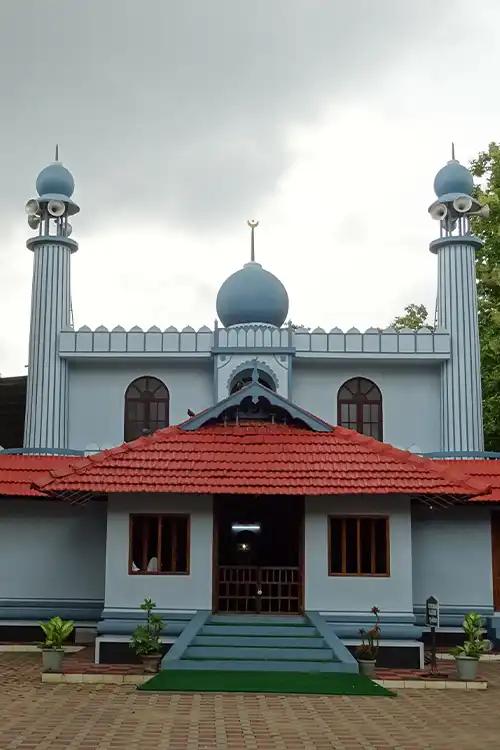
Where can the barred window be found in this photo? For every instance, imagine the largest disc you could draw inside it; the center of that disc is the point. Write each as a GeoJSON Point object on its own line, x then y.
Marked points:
{"type": "Point", "coordinates": [159, 544]}
{"type": "Point", "coordinates": [358, 546]}
{"type": "Point", "coordinates": [359, 407]}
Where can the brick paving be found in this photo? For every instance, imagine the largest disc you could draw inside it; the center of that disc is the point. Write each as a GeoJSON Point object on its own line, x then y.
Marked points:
{"type": "Point", "coordinates": [101, 717]}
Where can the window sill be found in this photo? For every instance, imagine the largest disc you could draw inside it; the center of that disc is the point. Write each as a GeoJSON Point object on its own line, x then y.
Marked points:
{"type": "Point", "coordinates": [359, 575]}
{"type": "Point", "coordinates": [157, 573]}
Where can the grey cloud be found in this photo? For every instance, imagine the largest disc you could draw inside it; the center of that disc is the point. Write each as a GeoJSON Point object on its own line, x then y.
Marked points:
{"type": "Point", "coordinates": [180, 108]}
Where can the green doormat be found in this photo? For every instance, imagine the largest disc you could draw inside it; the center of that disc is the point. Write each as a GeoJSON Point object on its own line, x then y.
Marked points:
{"type": "Point", "coordinates": [219, 681]}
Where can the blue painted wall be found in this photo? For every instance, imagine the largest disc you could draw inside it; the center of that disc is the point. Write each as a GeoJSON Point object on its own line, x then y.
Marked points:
{"type": "Point", "coordinates": [184, 592]}
{"type": "Point", "coordinates": [355, 594]}
{"type": "Point", "coordinates": [410, 393]}
{"type": "Point", "coordinates": [51, 550]}
{"type": "Point", "coordinates": [97, 391]}
{"type": "Point", "coordinates": [452, 556]}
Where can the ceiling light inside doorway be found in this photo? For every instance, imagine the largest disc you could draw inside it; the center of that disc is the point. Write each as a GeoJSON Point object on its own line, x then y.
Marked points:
{"type": "Point", "coordinates": [237, 527]}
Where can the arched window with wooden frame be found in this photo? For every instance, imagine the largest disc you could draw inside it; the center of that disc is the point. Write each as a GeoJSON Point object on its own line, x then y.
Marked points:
{"type": "Point", "coordinates": [359, 407]}
{"type": "Point", "coordinates": [147, 403]}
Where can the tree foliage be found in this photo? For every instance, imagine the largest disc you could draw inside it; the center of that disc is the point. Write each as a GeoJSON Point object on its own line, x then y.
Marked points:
{"type": "Point", "coordinates": [487, 167]}
{"type": "Point", "coordinates": [415, 316]}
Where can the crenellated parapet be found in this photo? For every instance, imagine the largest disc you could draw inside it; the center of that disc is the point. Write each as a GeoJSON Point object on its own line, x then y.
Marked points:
{"type": "Point", "coordinates": [386, 343]}
{"type": "Point", "coordinates": [136, 341]}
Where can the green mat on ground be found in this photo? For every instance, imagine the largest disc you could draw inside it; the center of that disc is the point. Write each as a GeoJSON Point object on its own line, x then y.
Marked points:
{"type": "Point", "coordinates": [220, 681]}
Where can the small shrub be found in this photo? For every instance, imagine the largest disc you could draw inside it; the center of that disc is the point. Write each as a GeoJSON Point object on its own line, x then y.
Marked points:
{"type": "Point", "coordinates": [56, 632]}
{"type": "Point", "coordinates": [475, 643]}
{"type": "Point", "coordinates": [146, 638]}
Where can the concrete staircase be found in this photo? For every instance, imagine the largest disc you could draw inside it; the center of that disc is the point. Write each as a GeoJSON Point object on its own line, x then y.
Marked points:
{"type": "Point", "coordinates": [263, 643]}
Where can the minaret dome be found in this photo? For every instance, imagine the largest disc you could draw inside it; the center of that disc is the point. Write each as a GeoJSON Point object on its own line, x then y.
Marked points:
{"type": "Point", "coordinates": [453, 179]}
{"type": "Point", "coordinates": [55, 182]}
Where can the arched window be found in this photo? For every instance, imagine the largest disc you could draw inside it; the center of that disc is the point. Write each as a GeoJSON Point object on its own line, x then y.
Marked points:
{"type": "Point", "coordinates": [146, 407]}
{"type": "Point", "coordinates": [245, 377]}
{"type": "Point", "coordinates": [359, 407]}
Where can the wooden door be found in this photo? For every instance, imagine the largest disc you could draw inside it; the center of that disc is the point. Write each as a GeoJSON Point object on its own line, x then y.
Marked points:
{"type": "Point", "coordinates": [495, 545]}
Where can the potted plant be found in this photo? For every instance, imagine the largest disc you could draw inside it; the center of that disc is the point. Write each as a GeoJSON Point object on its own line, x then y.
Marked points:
{"type": "Point", "coordinates": [366, 652]}
{"type": "Point", "coordinates": [146, 638]}
{"type": "Point", "coordinates": [56, 631]}
{"type": "Point", "coordinates": [475, 644]}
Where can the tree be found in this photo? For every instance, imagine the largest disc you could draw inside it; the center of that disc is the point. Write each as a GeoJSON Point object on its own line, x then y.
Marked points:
{"type": "Point", "coordinates": [415, 317]}
{"type": "Point", "coordinates": [487, 167]}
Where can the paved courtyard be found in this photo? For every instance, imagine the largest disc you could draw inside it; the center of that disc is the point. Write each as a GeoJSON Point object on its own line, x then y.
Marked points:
{"type": "Point", "coordinates": [101, 717]}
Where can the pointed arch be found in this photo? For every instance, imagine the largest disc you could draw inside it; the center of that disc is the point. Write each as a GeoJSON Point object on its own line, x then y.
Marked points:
{"type": "Point", "coordinates": [147, 407]}
{"type": "Point", "coordinates": [359, 407]}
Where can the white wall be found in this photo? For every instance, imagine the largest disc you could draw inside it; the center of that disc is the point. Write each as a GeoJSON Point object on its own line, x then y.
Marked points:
{"type": "Point", "coordinates": [410, 396]}
{"type": "Point", "coordinates": [97, 392]}
{"type": "Point", "coordinates": [51, 550]}
{"type": "Point", "coordinates": [452, 556]}
{"type": "Point", "coordinates": [185, 592]}
{"type": "Point", "coordinates": [352, 593]}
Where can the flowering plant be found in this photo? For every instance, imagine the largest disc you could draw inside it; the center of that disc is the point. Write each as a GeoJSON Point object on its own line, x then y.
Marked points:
{"type": "Point", "coordinates": [368, 649]}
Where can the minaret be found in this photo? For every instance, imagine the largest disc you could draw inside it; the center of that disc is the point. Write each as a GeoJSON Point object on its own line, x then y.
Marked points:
{"type": "Point", "coordinates": [46, 421]}
{"type": "Point", "coordinates": [461, 407]}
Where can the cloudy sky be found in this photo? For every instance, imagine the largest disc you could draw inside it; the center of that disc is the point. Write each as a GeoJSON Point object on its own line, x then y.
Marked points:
{"type": "Point", "coordinates": [179, 120]}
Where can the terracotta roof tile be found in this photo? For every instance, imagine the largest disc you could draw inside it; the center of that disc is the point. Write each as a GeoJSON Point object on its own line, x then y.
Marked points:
{"type": "Point", "coordinates": [19, 472]}
{"type": "Point", "coordinates": [258, 458]}
{"type": "Point", "coordinates": [478, 470]}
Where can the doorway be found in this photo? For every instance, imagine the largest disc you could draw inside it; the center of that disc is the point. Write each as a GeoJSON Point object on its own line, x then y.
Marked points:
{"type": "Point", "coordinates": [258, 554]}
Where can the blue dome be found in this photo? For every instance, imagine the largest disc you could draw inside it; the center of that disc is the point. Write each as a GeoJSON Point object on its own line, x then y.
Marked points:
{"type": "Point", "coordinates": [55, 180]}
{"type": "Point", "coordinates": [453, 178]}
{"type": "Point", "coordinates": [252, 295]}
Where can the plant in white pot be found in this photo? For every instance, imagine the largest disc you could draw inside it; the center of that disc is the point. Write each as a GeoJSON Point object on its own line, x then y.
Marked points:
{"type": "Point", "coordinates": [146, 638]}
{"type": "Point", "coordinates": [56, 632]}
{"type": "Point", "coordinates": [475, 644]}
{"type": "Point", "coordinates": [367, 651]}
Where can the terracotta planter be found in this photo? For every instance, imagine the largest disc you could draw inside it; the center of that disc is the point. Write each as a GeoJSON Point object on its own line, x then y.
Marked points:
{"type": "Point", "coordinates": [52, 659]}
{"type": "Point", "coordinates": [467, 667]}
{"type": "Point", "coordinates": [151, 663]}
{"type": "Point", "coordinates": [367, 667]}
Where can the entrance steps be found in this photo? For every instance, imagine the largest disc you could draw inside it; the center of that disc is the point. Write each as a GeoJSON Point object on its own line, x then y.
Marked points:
{"type": "Point", "coordinates": [263, 643]}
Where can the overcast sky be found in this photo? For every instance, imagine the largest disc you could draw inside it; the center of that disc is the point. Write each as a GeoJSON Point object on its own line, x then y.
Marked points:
{"type": "Point", "coordinates": [179, 120]}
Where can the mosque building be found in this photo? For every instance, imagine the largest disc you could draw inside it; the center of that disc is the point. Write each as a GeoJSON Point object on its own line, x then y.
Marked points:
{"type": "Point", "coordinates": [256, 479]}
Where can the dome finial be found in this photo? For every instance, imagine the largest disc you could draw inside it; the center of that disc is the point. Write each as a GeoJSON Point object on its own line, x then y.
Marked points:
{"type": "Point", "coordinates": [453, 151]}
{"type": "Point", "coordinates": [252, 223]}
{"type": "Point", "coordinates": [57, 152]}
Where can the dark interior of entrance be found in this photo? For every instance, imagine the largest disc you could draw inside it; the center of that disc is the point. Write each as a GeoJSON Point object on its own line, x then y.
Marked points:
{"type": "Point", "coordinates": [259, 554]}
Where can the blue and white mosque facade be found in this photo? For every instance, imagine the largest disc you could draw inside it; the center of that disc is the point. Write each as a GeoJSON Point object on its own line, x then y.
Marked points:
{"type": "Point", "coordinates": [89, 390]}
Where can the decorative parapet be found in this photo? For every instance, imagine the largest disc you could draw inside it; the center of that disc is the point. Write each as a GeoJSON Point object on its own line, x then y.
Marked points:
{"type": "Point", "coordinates": [253, 337]}
{"type": "Point", "coordinates": [118, 341]}
{"type": "Point", "coordinates": [387, 343]}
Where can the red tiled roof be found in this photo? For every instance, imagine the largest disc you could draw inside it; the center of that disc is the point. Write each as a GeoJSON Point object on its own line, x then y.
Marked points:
{"type": "Point", "coordinates": [478, 470]}
{"type": "Point", "coordinates": [258, 458]}
{"type": "Point", "coordinates": [19, 472]}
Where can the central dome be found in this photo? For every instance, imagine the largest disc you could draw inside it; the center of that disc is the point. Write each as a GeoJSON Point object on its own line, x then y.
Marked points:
{"type": "Point", "coordinates": [252, 295]}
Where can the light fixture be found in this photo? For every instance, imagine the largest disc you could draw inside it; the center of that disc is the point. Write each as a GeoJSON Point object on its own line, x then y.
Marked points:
{"type": "Point", "coordinates": [238, 527]}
